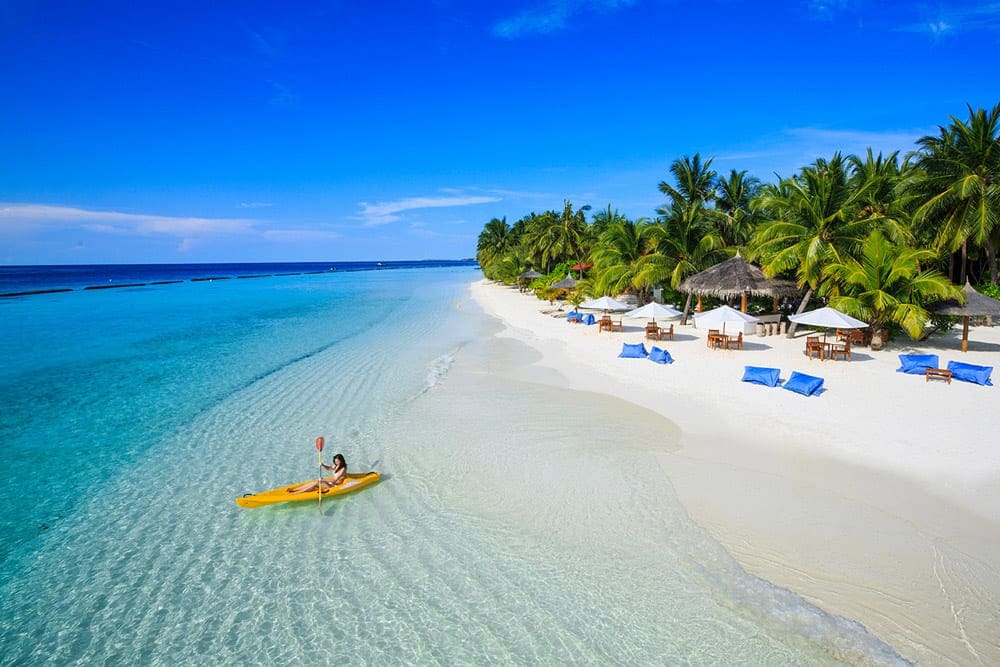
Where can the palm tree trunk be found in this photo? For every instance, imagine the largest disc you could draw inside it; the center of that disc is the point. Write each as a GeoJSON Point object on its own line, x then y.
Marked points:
{"type": "Point", "coordinates": [687, 309]}
{"type": "Point", "coordinates": [802, 307]}
{"type": "Point", "coordinates": [991, 254]}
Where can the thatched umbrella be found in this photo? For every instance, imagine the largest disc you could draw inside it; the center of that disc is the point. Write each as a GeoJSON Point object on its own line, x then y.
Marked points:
{"type": "Point", "coordinates": [976, 304]}
{"type": "Point", "coordinates": [566, 283]}
{"type": "Point", "coordinates": [736, 276]}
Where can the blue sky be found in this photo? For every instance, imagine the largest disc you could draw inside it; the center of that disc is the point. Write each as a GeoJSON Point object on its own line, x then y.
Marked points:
{"type": "Point", "coordinates": [244, 131]}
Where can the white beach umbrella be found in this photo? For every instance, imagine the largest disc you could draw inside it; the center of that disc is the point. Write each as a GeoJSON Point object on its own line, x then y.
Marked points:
{"type": "Point", "coordinates": [653, 310]}
{"type": "Point", "coordinates": [828, 318]}
{"type": "Point", "coordinates": [721, 316]}
{"type": "Point", "coordinates": [604, 303]}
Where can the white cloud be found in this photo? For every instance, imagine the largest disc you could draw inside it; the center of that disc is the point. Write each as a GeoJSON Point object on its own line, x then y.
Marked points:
{"type": "Point", "coordinates": [385, 212]}
{"type": "Point", "coordinates": [551, 16]}
{"type": "Point", "coordinates": [255, 204]}
{"type": "Point", "coordinates": [29, 217]}
{"type": "Point", "coordinates": [955, 18]}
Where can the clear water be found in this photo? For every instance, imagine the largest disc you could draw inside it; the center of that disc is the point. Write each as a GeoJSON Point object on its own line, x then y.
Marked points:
{"type": "Point", "coordinates": [516, 522]}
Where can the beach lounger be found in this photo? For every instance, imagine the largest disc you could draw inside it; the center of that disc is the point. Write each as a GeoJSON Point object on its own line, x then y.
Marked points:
{"type": "Point", "coordinates": [971, 373]}
{"type": "Point", "coordinates": [633, 351]}
{"type": "Point", "coordinates": [660, 356]}
{"type": "Point", "coordinates": [761, 375]}
{"type": "Point", "coordinates": [916, 364]}
{"type": "Point", "coordinates": [807, 385]}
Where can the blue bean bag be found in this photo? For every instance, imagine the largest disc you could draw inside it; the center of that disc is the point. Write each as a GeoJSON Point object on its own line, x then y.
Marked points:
{"type": "Point", "coordinates": [589, 319]}
{"type": "Point", "coordinates": [634, 351]}
{"type": "Point", "coordinates": [573, 316]}
{"type": "Point", "coordinates": [760, 375]}
{"type": "Point", "coordinates": [660, 356]}
{"type": "Point", "coordinates": [915, 364]}
{"type": "Point", "coordinates": [807, 385]}
{"type": "Point", "coordinates": [970, 373]}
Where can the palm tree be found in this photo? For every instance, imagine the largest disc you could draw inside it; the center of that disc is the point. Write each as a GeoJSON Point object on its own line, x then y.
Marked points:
{"type": "Point", "coordinates": [961, 185]}
{"type": "Point", "coordinates": [885, 201]}
{"type": "Point", "coordinates": [603, 219]}
{"type": "Point", "coordinates": [814, 222]}
{"type": "Point", "coordinates": [551, 238]}
{"type": "Point", "coordinates": [734, 202]}
{"type": "Point", "coordinates": [495, 241]}
{"type": "Point", "coordinates": [622, 260]}
{"type": "Point", "coordinates": [887, 284]}
{"type": "Point", "coordinates": [685, 239]}
{"type": "Point", "coordinates": [694, 182]}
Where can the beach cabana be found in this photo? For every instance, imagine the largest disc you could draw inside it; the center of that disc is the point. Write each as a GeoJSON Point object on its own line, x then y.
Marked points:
{"type": "Point", "coordinates": [976, 305]}
{"type": "Point", "coordinates": [736, 277]}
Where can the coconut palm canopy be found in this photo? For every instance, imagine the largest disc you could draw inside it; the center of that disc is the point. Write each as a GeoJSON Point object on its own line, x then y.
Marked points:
{"type": "Point", "coordinates": [734, 277]}
{"type": "Point", "coordinates": [976, 304]}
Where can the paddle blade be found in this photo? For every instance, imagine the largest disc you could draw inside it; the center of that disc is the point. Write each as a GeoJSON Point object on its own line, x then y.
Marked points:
{"type": "Point", "coordinates": [319, 444]}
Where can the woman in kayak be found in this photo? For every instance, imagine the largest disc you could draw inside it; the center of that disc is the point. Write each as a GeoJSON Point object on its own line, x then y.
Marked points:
{"type": "Point", "coordinates": [339, 469]}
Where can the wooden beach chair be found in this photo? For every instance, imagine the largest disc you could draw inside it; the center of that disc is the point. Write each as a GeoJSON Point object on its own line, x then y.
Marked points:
{"type": "Point", "coordinates": [841, 350]}
{"type": "Point", "coordinates": [814, 346]}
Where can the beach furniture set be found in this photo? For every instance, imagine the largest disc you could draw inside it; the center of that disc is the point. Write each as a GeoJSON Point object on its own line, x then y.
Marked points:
{"type": "Point", "coordinates": [800, 383]}
{"type": "Point", "coordinates": [929, 366]}
{"type": "Point", "coordinates": [638, 351]}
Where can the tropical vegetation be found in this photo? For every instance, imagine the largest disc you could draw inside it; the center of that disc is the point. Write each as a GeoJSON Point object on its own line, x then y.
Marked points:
{"type": "Point", "coordinates": [879, 237]}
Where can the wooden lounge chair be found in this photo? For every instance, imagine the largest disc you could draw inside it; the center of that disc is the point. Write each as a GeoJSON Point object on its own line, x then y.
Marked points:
{"type": "Point", "coordinates": [843, 350]}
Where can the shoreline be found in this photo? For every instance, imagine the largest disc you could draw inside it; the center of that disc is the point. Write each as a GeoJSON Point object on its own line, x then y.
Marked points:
{"type": "Point", "coordinates": [876, 501]}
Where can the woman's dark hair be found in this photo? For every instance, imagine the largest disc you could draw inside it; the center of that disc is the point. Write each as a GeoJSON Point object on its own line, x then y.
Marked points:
{"type": "Point", "coordinates": [343, 463]}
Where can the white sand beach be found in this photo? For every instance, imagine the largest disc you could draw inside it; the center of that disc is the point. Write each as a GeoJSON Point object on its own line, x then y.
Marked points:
{"type": "Point", "coordinates": [878, 500]}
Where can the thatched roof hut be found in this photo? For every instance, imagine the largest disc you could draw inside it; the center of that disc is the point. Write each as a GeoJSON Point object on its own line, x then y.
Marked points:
{"type": "Point", "coordinates": [976, 304]}
{"type": "Point", "coordinates": [736, 277]}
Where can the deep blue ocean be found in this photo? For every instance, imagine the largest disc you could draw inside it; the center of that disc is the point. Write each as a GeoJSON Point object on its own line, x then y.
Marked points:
{"type": "Point", "coordinates": [133, 417]}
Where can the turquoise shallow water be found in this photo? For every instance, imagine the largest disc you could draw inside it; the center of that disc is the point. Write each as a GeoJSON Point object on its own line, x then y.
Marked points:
{"type": "Point", "coordinates": [500, 532]}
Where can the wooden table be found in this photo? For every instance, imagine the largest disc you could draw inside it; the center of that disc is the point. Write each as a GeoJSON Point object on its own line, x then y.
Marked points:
{"type": "Point", "coordinates": [718, 340]}
{"type": "Point", "coordinates": [937, 374]}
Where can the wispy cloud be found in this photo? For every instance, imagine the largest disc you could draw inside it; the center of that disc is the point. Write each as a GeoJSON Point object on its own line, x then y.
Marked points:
{"type": "Point", "coordinates": [255, 204]}
{"type": "Point", "coordinates": [551, 16]}
{"type": "Point", "coordinates": [264, 45]}
{"type": "Point", "coordinates": [27, 217]}
{"type": "Point", "coordinates": [955, 19]}
{"type": "Point", "coordinates": [786, 153]}
{"type": "Point", "coordinates": [383, 213]}
{"type": "Point", "coordinates": [282, 95]}
{"type": "Point", "coordinates": [826, 9]}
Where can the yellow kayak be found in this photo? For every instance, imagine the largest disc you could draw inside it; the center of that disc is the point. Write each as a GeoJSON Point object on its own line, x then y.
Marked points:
{"type": "Point", "coordinates": [353, 482]}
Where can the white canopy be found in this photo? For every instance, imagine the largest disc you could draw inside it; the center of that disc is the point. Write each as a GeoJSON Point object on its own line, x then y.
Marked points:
{"type": "Point", "coordinates": [654, 310]}
{"type": "Point", "coordinates": [722, 315]}
{"type": "Point", "coordinates": [827, 317]}
{"type": "Point", "coordinates": [604, 303]}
